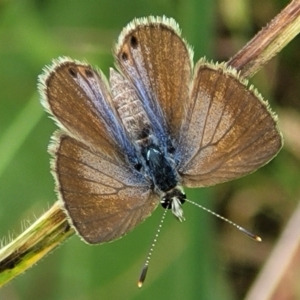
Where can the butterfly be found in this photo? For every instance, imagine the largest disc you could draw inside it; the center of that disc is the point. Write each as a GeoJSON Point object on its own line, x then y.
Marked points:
{"type": "Point", "coordinates": [132, 142]}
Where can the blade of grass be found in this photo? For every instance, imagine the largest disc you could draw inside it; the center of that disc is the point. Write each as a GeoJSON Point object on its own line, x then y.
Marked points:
{"type": "Point", "coordinates": [19, 129]}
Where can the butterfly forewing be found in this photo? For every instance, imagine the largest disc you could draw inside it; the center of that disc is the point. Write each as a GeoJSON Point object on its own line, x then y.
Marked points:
{"type": "Point", "coordinates": [229, 130]}
{"type": "Point", "coordinates": [78, 98]}
{"type": "Point", "coordinates": [103, 197]}
{"type": "Point", "coordinates": [153, 56]}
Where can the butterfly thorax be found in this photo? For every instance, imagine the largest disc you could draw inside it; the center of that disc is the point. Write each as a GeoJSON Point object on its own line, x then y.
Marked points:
{"type": "Point", "coordinates": [165, 179]}
{"type": "Point", "coordinates": [160, 169]}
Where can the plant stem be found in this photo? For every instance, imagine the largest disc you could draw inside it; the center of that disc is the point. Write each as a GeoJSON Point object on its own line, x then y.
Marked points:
{"type": "Point", "coordinates": [44, 235]}
{"type": "Point", "coordinates": [268, 42]}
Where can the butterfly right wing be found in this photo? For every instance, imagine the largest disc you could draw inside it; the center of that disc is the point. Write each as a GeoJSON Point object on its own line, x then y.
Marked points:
{"type": "Point", "coordinates": [102, 196]}
{"type": "Point", "coordinates": [229, 130]}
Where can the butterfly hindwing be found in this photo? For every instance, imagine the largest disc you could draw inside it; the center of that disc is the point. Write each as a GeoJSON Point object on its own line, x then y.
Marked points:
{"type": "Point", "coordinates": [102, 196]}
{"type": "Point", "coordinates": [229, 130]}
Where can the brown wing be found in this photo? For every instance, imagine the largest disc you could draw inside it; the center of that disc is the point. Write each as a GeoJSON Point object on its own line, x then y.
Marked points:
{"type": "Point", "coordinates": [153, 56]}
{"type": "Point", "coordinates": [229, 130]}
{"type": "Point", "coordinates": [78, 98]}
{"type": "Point", "coordinates": [102, 196]}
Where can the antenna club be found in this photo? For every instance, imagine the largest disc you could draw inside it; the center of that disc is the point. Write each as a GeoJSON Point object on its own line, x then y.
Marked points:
{"type": "Point", "coordinates": [258, 238]}
{"type": "Point", "coordinates": [143, 276]}
{"type": "Point", "coordinates": [242, 229]}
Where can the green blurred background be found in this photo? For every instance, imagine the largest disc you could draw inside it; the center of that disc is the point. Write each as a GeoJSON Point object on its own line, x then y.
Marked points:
{"type": "Point", "coordinates": [201, 258]}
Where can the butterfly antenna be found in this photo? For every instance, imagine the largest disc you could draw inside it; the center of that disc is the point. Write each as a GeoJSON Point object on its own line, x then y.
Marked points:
{"type": "Point", "coordinates": [245, 231]}
{"type": "Point", "coordinates": [146, 265]}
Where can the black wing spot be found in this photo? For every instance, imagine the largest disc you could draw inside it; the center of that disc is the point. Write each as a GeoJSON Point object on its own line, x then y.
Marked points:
{"type": "Point", "coordinates": [72, 72]}
{"type": "Point", "coordinates": [134, 42]}
{"type": "Point", "coordinates": [144, 133]}
{"type": "Point", "coordinates": [138, 166]}
{"type": "Point", "coordinates": [171, 149]}
{"type": "Point", "coordinates": [88, 73]}
{"type": "Point", "coordinates": [124, 56]}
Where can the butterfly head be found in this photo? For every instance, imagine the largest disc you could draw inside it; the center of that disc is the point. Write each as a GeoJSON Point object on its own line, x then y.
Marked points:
{"type": "Point", "coordinates": [174, 199]}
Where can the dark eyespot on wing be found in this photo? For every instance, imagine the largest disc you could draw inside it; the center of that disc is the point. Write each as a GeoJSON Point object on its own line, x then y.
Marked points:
{"type": "Point", "coordinates": [88, 73]}
{"type": "Point", "coordinates": [133, 42]}
{"type": "Point", "coordinates": [124, 55]}
{"type": "Point", "coordinates": [72, 72]}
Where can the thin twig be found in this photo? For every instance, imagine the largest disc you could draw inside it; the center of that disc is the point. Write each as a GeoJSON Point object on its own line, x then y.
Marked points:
{"type": "Point", "coordinates": [268, 42]}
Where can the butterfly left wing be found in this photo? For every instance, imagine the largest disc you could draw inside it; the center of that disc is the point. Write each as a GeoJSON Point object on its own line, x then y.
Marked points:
{"type": "Point", "coordinates": [229, 129]}
{"type": "Point", "coordinates": [79, 100]}
{"type": "Point", "coordinates": [102, 196]}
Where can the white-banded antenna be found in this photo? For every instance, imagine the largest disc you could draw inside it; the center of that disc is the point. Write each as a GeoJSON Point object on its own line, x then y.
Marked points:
{"type": "Point", "coordinates": [146, 265]}
{"type": "Point", "coordinates": [242, 229]}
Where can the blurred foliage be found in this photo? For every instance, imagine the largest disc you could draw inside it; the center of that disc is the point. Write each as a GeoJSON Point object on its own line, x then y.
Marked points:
{"type": "Point", "coordinates": [199, 259]}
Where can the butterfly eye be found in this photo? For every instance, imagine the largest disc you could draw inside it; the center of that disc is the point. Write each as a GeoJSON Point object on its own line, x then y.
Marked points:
{"type": "Point", "coordinates": [72, 72]}
{"type": "Point", "coordinates": [88, 73]}
{"type": "Point", "coordinates": [166, 203]}
{"type": "Point", "coordinates": [133, 42]}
